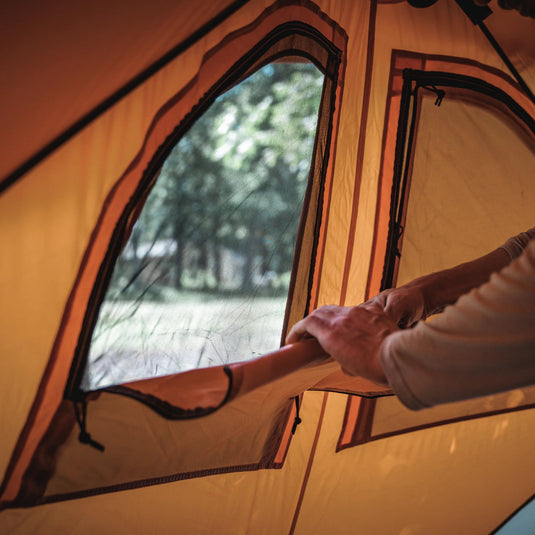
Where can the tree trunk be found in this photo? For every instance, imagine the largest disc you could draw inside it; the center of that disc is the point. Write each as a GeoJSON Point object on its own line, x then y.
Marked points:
{"type": "Point", "coordinates": [178, 267]}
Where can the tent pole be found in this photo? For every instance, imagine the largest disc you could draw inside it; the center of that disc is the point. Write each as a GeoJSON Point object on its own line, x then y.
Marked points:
{"type": "Point", "coordinates": [507, 61]}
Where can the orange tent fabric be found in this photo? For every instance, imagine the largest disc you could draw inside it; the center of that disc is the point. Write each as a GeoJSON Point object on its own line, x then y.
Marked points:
{"type": "Point", "coordinates": [92, 96]}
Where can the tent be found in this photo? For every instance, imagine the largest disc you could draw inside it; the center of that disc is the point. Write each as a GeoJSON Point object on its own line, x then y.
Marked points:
{"type": "Point", "coordinates": [423, 157]}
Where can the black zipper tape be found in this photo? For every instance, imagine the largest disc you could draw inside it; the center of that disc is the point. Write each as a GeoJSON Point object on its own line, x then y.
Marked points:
{"type": "Point", "coordinates": [413, 81]}
{"type": "Point", "coordinates": [235, 73]}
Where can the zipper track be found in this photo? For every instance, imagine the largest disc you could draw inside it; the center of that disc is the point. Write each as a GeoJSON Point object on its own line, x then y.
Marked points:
{"type": "Point", "coordinates": [413, 81]}
{"type": "Point", "coordinates": [408, 96]}
{"type": "Point", "coordinates": [150, 175]}
{"type": "Point", "coordinates": [447, 79]}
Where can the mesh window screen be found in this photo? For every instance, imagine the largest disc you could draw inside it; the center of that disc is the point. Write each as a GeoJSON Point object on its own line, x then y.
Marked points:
{"type": "Point", "coordinates": [204, 277]}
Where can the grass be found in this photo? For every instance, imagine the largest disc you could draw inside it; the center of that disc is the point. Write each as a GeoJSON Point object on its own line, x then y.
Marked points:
{"type": "Point", "coordinates": [198, 330]}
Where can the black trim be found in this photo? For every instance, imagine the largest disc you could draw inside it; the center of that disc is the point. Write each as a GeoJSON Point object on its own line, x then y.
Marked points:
{"type": "Point", "coordinates": [521, 82]}
{"type": "Point", "coordinates": [448, 421]}
{"type": "Point", "coordinates": [396, 201]}
{"type": "Point", "coordinates": [107, 103]}
{"type": "Point", "coordinates": [365, 395]}
{"type": "Point", "coordinates": [149, 482]}
{"type": "Point", "coordinates": [413, 80]}
{"type": "Point", "coordinates": [120, 233]}
{"type": "Point", "coordinates": [321, 193]}
{"type": "Point", "coordinates": [167, 410]}
{"type": "Point", "coordinates": [421, 3]}
{"type": "Point", "coordinates": [475, 13]}
{"type": "Point", "coordinates": [446, 79]}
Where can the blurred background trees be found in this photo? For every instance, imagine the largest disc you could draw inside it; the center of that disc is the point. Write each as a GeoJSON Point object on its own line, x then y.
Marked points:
{"type": "Point", "coordinates": [224, 212]}
{"type": "Point", "coordinates": [204, 277]}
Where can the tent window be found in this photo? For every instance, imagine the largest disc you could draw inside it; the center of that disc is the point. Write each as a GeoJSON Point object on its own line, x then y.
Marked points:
{"type": "Point", "coordinates": [491, 156]}
{"type": "Point", "coordinates": [203, 279]}
{"type": "Point", "coordinates": [447, 125]}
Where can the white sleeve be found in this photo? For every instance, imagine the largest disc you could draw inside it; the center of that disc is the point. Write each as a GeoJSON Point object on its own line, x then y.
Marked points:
{"type": "Point", "coordinates": [515, 245]}
{"type": "Point", "coordinates": [483, 344]}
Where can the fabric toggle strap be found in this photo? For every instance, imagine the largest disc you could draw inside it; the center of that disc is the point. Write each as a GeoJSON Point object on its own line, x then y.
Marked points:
{"type": "Point", "coordinates": [297, 420]}
{"type": "Point", "coordinates": [398, 229]}
{"type": "Point", "coordinates": [80, 410]}
{"type": "Point", "coordinates": [440, 93]}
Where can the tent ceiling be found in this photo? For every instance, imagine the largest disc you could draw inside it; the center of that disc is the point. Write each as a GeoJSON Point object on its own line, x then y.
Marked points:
{"type": "Point", "coordinates": [73, 75]}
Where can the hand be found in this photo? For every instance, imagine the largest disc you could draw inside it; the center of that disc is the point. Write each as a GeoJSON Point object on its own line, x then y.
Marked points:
{"type": "Point", "coordinates": [351, 335]}
{"type": "Point", "coordinates": [405, 306]}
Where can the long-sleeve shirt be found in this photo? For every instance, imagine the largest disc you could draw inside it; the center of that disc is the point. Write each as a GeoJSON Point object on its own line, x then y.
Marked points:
{"type": "Point", "coordinates": [483, 344]}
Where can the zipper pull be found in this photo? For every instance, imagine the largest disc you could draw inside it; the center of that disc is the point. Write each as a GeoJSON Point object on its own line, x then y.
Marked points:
{"type": "Point", "coordinates": [80, 411]}
{"type": "Point", "coordinates": [297, 420]}
{"type": "Point", "coordinates": [440, 93]}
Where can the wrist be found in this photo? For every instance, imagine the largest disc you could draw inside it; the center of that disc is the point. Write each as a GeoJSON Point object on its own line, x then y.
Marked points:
{"type": "Point", "coordinates": [432, 294]}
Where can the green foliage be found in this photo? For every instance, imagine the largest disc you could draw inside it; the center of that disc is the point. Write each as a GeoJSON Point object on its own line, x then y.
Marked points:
{"type": "Point", "coordinates": [233, 188]}
{"type": "Point", "coordinates": [204, 276]}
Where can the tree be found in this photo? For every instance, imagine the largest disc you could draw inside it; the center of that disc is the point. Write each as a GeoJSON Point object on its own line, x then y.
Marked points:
{"type": "Point", "coordinates": [229, 193]}
{"type": "Point", "coordinates": [235, 181]}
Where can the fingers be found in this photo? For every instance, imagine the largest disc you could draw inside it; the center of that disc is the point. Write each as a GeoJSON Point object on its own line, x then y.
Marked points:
{"type": "Point", "coordinates": [310, 326]}
{"type": "Point", "coordinates": [331, 322]}
{"type": "Point", "coordinates": [396, 309]}
{"type": "Point", "coordinates": [298, 332]}
{"type": "Point", "coordinates": [350, 335]}
{"type": "Point", "coordinates": [405, 306]}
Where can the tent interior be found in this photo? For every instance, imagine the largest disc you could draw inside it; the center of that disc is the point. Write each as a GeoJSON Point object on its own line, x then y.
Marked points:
{"type": "Point", "coordinates": [180, 183]}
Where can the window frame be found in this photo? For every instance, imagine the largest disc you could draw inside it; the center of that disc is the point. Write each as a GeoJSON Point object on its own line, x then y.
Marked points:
{"type": "Point", "coordinates": [410, 74]}
{"type": "Point", "coordinates": [52, 420]}
{"type": "Point", "coordinates": [286, 40]}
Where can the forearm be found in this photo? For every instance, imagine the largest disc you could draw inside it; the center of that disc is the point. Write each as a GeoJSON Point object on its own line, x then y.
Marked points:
{"type": "Point", "coordinates": [483, 344]}
{"type": "Point", "coordinates": [445, 287]}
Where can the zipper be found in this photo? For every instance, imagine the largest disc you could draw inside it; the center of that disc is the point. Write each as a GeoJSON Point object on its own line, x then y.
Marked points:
{"type": "Point", "coordinates": [408, 99]}
{"type": "Point", "coordinates": [236, 73]}
{"type": "Point", "coordinates": [448, 79]}
{"type": "Point", "coordinates": [435, 81]}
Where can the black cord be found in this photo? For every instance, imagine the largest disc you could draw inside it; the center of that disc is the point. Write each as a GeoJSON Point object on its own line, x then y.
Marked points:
{"type": "Point", "coordinates": [297, 420]}
{"type": "Point", "coordinates": [80, 410]}
{"type": "Point", "coordinates": [507, 61]}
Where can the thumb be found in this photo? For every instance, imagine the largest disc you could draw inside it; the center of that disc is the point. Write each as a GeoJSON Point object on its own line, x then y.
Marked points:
{"type": "Point", "coordinates": [395, 309]}
{"type": "Point", "coordinates": [401, 311]}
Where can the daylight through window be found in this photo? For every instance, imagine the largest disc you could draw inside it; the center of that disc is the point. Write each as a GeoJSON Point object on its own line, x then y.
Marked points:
{"type": "Point", "coordinates": [204, 277]}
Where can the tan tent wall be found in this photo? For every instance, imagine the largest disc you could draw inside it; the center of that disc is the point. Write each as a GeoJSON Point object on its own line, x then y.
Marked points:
{"type": "Point", "coordinates": [47, 240]}
{"type": "Point", "coordinates": [458, 478]}
{"type": "Point", "coordinates": [161, 90]}
{"type": "Point", "coordinates": [74, 57]}
{"type": "Point", "coordinates": [451, 482]}
{"type": "Point", "coordinates": [442, 29]}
